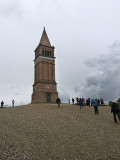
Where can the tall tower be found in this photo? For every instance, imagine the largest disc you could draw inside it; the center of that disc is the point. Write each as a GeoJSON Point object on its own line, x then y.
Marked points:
{"type": "Point", "coordinates": [45, 86]}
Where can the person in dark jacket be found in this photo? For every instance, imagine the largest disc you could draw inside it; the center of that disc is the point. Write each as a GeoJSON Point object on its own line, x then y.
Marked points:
{"type": "Point", "coordinates": [115, 110]}
{"type": "Point", "coordinates": [58, 102]}
{"type": "Point", "coordinates": [77, 101]}
{"type": "Point", "coordinates": [89, 102]}
{"type": "Point", "coordinates": [73, 101]}
{"type": "Point", "coordinates": [80, 103]}
{"type": "Point", "coordinates": [2, 104]}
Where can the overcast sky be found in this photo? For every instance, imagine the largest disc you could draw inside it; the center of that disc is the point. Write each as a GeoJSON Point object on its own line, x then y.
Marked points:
{"type": "Point", "coordinates": [86, 36]}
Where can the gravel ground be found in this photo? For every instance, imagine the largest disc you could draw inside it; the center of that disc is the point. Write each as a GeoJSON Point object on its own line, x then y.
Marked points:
{"type": "Point", "coordinates": [45, 132]}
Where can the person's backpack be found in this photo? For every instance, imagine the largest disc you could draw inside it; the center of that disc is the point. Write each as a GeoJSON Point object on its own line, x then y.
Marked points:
{"type": "Point", "coordinates": [118, 104]}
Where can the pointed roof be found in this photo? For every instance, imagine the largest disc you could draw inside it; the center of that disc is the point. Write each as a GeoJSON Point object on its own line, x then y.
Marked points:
{"type": "Point", "coordinates": [44, 39]}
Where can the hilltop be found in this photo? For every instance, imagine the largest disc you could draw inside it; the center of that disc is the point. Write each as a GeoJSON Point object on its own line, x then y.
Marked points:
{"type": "Point", "coordinates": [43, 131]}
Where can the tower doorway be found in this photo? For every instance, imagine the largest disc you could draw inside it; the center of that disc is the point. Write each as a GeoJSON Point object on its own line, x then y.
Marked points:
{"type": "Point", "coordinates": [48, 97]}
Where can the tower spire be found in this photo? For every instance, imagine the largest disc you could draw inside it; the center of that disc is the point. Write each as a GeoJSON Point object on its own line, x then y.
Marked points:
{"type": "Point", "coordinates": [44, 39]}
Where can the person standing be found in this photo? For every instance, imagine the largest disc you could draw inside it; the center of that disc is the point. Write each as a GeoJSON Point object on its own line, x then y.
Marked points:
{"type": "Point", "coordinates": [89, 102]}
{"type": "Point", "coordinates": [73, 101]}
{"type": "Point", "coordinates": [83, 101]}
{"type": "Point", "coordinates": [102, 101]}
{"type": "Point", "coordinates": [13, 102]}
{"type": "Point", "coordinates": [77, 101]}
{"type": "Point", "coordinates": [58, 102]}
{"type": "Point", "coordinates": [115, 110]}
{"type": "Point", "coordinates": [2, 104]}
{"type": "Point", "coordinates": [69, 101]}
{"type": "Point", "coordinates": [98, 102]}
{"type": "Point", "coordinates": [80, 103]}
{"type": "Point", "coordinates": [95, 104]}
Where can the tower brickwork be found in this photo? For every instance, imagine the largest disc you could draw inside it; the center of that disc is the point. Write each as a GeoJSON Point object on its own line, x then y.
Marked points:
{"type": "Point", "coordinates": [45, 86]}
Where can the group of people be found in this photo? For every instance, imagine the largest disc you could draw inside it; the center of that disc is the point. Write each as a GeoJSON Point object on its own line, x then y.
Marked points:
{"type": "Point", "coordinates": [115, 107]}
{"type": "Point", "coordinates": [88, 101]}
{"type": "Point", "coordinates": [93, 102]}
{"type": "Point", "coordinates": [2, 103]}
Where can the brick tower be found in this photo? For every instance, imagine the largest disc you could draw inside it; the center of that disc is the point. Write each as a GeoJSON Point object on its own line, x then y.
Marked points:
{"type": "Point", "coordinates": [45, 86]}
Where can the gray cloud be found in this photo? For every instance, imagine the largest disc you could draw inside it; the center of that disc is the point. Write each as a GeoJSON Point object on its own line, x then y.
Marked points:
{"type": "Point", "coordinates": [104, 78]}
{"type": "Point", "coordinates": [17, 94]}
{"type": "Point", "coordinates": [62, 93]}
{"type": "Point", "coordinates": [14, 87]}
{"type": "Point", "coordinates": [78, 29]}
{"type": "Point", "coordinates": [10, 7]}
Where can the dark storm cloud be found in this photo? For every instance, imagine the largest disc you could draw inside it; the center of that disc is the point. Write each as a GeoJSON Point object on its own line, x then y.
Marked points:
{"type": "Point", "coordinates": [104, 78]}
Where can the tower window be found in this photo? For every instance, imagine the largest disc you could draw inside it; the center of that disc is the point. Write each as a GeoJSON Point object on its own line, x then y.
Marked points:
{"type": "Point", "coordinates": [47, 53]}
{"type": "Point", "coordinates": [43, 52]}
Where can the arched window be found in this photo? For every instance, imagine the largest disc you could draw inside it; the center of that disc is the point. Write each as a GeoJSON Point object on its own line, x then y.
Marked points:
{"type": "Point", "coordinates": [47, 53]}
{"type": "Point", "coordinates": [43, 52]}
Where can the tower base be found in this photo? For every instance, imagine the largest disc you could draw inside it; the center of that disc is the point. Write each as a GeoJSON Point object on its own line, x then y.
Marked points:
{"type": "Point", "coordinates": [44, 97]}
